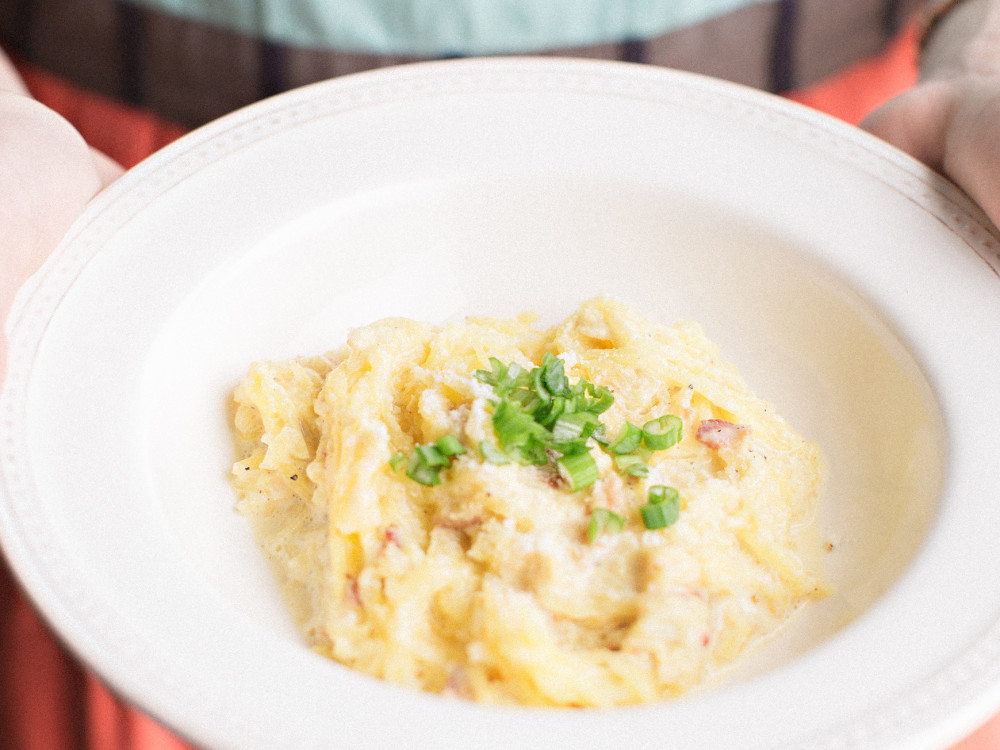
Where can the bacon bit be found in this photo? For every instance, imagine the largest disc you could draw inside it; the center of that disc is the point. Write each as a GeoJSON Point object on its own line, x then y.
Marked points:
{"type": "Point", "coordinates": [458, 524]}
{"type": "Point", "coordinates": [353, 593]}
{"type": "Point", "coordinates": [687, 411]}
{"type": "Point", "coordinates": [705, 639]}
{"type": "Point", "coordinates": [718, 433]}
{"type": "Point", "coordinates": [457, 685]}
{"type": "Point", "coordinates": [613, 487]}
{"type": "Point", "coordinates": [697, 593]}
{"type": "Point", "coordinates": [392, 535]}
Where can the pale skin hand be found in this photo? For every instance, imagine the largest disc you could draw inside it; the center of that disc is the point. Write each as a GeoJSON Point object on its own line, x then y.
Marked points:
{"type": "Point", "coordinates": [47, 176]}
{"type": "Point", "coordinates": [951, 119]}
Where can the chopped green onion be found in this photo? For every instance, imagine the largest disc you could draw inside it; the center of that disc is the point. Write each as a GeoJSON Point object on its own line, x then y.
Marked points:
{"type": "Point", "coordinates": [569, 447]}
{"type": "Point", "coordinates": [420, 471]}
{"type": "Point", "coordinates": [553, 375]}
{"type": "Point", "coordinates": [492, 376]}
{"type": "Point", "coordinates": [601, 520]}
{"type": "Point", "coordinates": [528, 400]}
{"type": "Point", "coordinates": [662, 433]}
{"type": "Point", "coordinates": [531, 453]}
{"type": "Point", "coordinates": [539, 386]}
{"type": "Point", "coordinates": [513, 425]}
{"type": "Point", "coordinates": [426, 461]}
{"type": "Point", "coordinates": [431, 455]}
{"type": "Point", "coordinates": [628, 441]}
{"type": "Point", "coordinates": [661, 493]}
{"type": "Point", "coordinates": [579, 470]}
{"type": "Point", "coordinates": [519, 434]}
{"type": "Point", "coordinates": [503, 378]}
{"type": "Point", "coordinates": [663, 508]}
{"type": "Point", "coordinates": [540, 417]}
{"type": "Point", "coordinates": [578, 424]}
{"type": "Point", "coordinates": [449, 445]}
{"type": "Point", "coordinates": [633, 464]}
{"type": "Point", "coordinates": [549, 412]}
{"type": "Point", "coordinates": [492, 454]}
{"type": "Point", "coordinates": [653, 517]}
{"type": "Point", "coordinates": [601, 398]}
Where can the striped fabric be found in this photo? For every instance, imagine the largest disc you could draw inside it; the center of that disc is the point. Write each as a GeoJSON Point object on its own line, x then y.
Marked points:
{"type": "Point", "coordinates": [446, 29]}
{"type": "Point", "coordinates": [190, 72]}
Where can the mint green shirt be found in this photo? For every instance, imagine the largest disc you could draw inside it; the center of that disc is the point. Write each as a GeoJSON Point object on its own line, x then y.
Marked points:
{"type": "Point", "coordinates": [436, 28]}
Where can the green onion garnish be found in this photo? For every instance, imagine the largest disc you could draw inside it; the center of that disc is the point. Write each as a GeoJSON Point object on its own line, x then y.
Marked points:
{"type": "Point", "coordinates": [579, 470]}
{"type": "Point", "coordinates": [601, 520]}
{"type": "Point", "coordinates": [540, 418]}
{"type": "Point", "coordinates": [600, 435]}
{"type": "Point", "coordinates": [420, 471]}
{"type": "Point", "coordinates": [519, 434]}
{"type": "Point", "coordinates": [424, 464]}
{"type": "Point", "coordinates": [449, 445]}
{"type": "Point", "coordinates": [575, 425]}
{"type": "Point", "coordinates": [600, 398]}
{"type": "Point", "coordinates": [553, 375]}
{"type": "Point", "coordinates": [431, 455]}
{"type": "Point", "coordinates": [632, 464]}
{"type": "Point", "coordinates": [492, 454]}
{"type": "Point", "coordinates": [503, 378]}
{"type": "Point", "coordinates": [661, 493]}
{"type": "Point", "coordinates": [663, 508]}
{"type": "Point", "coordinates": [653, 517]}
{"type": "Point", "coordinates": [628, 441]}
{"type": "Point", "coordinates": [662, 433]}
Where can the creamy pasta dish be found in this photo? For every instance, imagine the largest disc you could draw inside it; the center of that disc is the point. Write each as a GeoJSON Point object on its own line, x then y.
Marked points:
{"type": "Point", "coordinates": [593, 514]}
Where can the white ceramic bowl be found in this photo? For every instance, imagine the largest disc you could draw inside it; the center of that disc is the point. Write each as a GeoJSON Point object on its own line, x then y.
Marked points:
{"type": "Point", "coordinates": [853, 288]}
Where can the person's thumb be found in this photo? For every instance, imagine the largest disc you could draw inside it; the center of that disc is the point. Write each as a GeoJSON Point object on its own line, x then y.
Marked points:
{"type": "Point", "coordinates": [917, 121]}
{"type": "Point", "coordinates": [47, 176]}
{"type": "Point", "coordinates": [972, 144]}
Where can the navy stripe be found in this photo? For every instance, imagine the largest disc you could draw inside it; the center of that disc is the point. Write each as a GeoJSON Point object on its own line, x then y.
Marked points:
{"type": "Point", "coordinates": [271, 60]}
{"type": "Point", "coordinates": [782, 73]}
{"type": "Point", "coordinates": [633, 50]}
{"type": "Point", "coordinates": [131, 41]}
{"type": "Point", "coordinates": [892, 18]}
{"type": "Point", "coordinates": [20, 35]}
